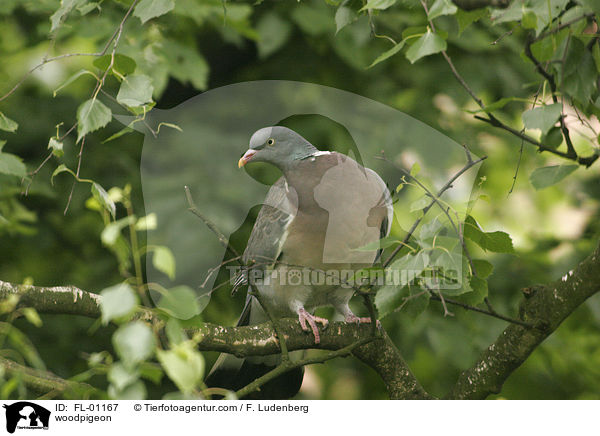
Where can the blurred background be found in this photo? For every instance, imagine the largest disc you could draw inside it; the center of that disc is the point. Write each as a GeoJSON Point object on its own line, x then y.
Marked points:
{"type": "Point", "coordinates": [204, 45]}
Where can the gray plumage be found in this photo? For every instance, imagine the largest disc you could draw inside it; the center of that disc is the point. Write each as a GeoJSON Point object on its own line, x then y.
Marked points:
{"type": "Point", "coordinates": [313, 223]}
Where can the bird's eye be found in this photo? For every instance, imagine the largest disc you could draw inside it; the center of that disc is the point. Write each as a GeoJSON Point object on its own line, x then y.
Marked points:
{"type": "Point", "coordinates": [271, 141]}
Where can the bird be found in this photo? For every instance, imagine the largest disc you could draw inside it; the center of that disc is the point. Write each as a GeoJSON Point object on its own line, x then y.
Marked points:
{"type": "Point", "coordinates": [316, 228]}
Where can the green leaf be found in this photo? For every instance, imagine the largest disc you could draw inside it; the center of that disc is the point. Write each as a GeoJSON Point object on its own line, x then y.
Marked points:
{"type": "Point", "coordinates": [112, 231]}
{"type": "Point", "coordinates": [65, 7]}
{"type": "Point", "coordinates": [547, 176]}
{"type": "Point", "coordinates": [543, 50]}
{"type": "Point", "coordinates": [344, 16]}
{"type": "Point", "coordinates": [480, 290]}
{"type": "Point", "coordinates": [581, 83]}
{"type": "Point", "coordinates": [186, 64]}
{"type": "Point", "coordinates": [71, 79]}
{"type": "Point", "coordinates": [413, 32]}
{"type": "Point", "coordinates": [441, 7]}
{"type": "Point", "coordinates": [151, 371]}
{"type": "Point", "coordinates": [415, 169]}
{"type": "Point", "coordinates": [7, 124]}
{"type": "Point", "coordinates": [313, 20]}
{"type": "Point", "coordinates": [174, 331]}
{"type": "Point", "coordinates": [148, 9]}
{"type": "Point", "coordinates": [483, 268]}
{"type": "Point", "coordinates": [124, 65]}
{"type": "Point", "coordinates": [378, 4]}
{"type": "Point", "coordinates": [12, 165]}
{"type": "Point", "coordinates": [412, 300]}
{"type": "Point", "coordinates": [103, 198]}
{"type": "Point", "coordinates": [428, 44]}
{"type": "Point", "coordinates": [120, 133]}
{"type": "Point", "coordinates": [419, 204]}
{"type": "Point", "coordinates": [388, 54]}
{"type": "Point", "coordinates": [466, 18]}
{"type": "Point", "coordinates": [386, 242]}
{"type": "Point", "coordinates": [121, 377]}
{"type": "Point", "coordinates": [406, 269]}
{"type": "Point", "coordinates": [136, 391]}
{"type": "Point", "coordinates": [183, 364]}
{"type": "Point", "coordinates": [273, 33]}
{"type": "Point", "coordinates": [91, 115]}
{"type": "Point", "coordinates": [32, 316]}
{"type": "Point", "coordinates": [542, 117]}
{"type": "Point", "coordinates": [179, 302]}
{"type": "Point", "coordinates": [513, 13]}
{"type": "Point", "coordinates": [430, 229]}
{"type": "Point", "coordinates": [553, 138]}
{"type": "Point", "coordinates": [164, 261]}
{"type": "Point", "coordinates": [147, 222]}
{"type": "Point", "coordinates": [529, 20]}
{"type": "Point", "coordinates": [387, 299]}
{"type": "Point", "coordinates": [546, 11]}
{"type": "Point", "coordinates": [117, 302]}
{"type": "Point", "coordinates": [62, 168]}
{"type": "Point", "coordinates": [135, 90]}
{"type": "Point", "coordinates": [497, 242]}
{"type": "Point", "coordinates": [596, 54]}
{"type": "Point", "coordinates": [56, 146]}
{"type": "Point", "coordinates": [134, 343]}
{"type": "Point", "coordinates": [87, 8]}
{"type": "Point", "coordinates": [591, 5]}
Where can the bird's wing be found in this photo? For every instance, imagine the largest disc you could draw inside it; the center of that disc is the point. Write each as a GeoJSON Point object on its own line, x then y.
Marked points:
{"type": "Point", "coordinates": [269, 232]}
{"type": "Point", "coordinates": [263, 249]}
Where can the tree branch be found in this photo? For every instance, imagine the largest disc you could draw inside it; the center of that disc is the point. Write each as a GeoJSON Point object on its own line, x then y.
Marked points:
{"type": "Point", "coordinates": [380, 353]}
{"type": "Point", "coordinates": [587, 161]}
{"type": "Point", "coordinates": [544, 306]}
{"type": "Point", "coordinates": [67, 300]}
{"type": "Point", "coordinates": [46, 382]}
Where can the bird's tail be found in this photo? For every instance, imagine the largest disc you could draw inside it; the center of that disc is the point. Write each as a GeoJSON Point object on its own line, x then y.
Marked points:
{"type": "Point", "coordinates": [233, 373]}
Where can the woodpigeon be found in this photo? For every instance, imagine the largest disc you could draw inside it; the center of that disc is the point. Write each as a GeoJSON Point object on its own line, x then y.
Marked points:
{"type": "Point", "coordinates": [307, 242]}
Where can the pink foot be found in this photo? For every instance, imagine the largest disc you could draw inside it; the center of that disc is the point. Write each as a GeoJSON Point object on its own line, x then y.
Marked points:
{"type": "Point", "coordinates": [304, 317]}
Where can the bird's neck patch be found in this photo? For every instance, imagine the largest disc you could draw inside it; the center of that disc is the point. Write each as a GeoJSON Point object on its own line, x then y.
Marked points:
{"type": "Point", "coordinates": [316, 154]}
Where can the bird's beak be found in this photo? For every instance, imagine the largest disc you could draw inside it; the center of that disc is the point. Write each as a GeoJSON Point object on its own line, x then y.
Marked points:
{"type": "Point", "coordinates": [246, 158]}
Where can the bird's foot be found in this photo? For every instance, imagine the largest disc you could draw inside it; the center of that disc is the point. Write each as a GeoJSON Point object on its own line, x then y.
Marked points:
{"type": "Point", "coordinates": [356, 319]}
{"type": "Point", "coordinates": [304, 317]}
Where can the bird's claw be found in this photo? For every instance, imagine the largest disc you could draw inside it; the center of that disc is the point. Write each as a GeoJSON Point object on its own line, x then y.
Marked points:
{"type": "Point", "coordinates": [304, 317]}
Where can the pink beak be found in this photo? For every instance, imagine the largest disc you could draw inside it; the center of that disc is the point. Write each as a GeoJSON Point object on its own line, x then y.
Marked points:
{"type": "Point", "coordinates": [246, 158]}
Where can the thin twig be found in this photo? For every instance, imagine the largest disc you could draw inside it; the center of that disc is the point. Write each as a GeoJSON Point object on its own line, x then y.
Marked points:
{"type": "Point", "coordinates": [33, 174]}
{"type": "Point", "coordinates": [501, 37]}
{"type": "Point", "coordinates": [443, 189]}
{"type": "Point", "coordinates": [79, 157]}
{"type": "Point", "coordinates": [289, 365]}
{"type": "Point", "coordinates": [571, 155]}
{"type": "Point", "coordinates": [561, 27]}
{"type": "Point", "coordinates": [213, 228]}
{"type": "Point", "coordinates": [116, 34]}
{"type": "Point", "coordinates": [483, 311]}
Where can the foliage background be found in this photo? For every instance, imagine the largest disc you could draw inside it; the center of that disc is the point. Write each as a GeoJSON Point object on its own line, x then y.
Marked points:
{"type": "Point", "coordinates": [204, 44]}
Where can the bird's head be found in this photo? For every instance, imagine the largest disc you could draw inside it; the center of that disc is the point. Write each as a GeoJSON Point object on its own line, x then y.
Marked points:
{"type": "Point", "coordinates": [277, 145]}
